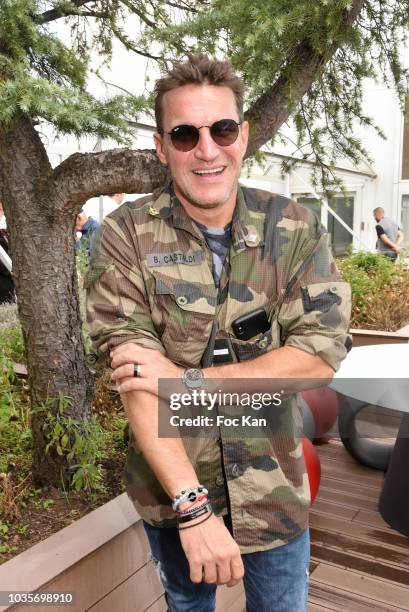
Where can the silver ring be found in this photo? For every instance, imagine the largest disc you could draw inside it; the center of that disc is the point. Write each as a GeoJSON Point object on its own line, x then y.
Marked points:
{"type": "Point", "coordinates": [137, 370]}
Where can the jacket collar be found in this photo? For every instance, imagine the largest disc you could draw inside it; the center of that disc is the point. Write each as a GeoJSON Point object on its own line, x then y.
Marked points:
{"type": "Point", "coordinates": [246, 231]}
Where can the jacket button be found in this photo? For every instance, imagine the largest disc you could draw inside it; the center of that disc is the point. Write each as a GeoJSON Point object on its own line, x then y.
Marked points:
{"type": "Point", "coordinates": [333, 290]}
{"type": "Point", "coordinates": [219, 481]}
{"type": "Point", "coordinates": [235, 470]}
{"type": "Point", "coordinates": [262, 343]}
{"type": "Point", "coordinates": [181, 300]}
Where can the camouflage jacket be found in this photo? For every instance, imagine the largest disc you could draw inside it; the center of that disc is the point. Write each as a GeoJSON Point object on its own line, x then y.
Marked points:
{"type": "Point", "coordinates": [150, 282]}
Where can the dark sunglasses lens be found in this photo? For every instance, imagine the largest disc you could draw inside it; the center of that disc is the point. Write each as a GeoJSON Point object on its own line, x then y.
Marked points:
{"type": "Point", "coordinates": [184, 137]}
{"type": "Point", "coordinates": [224, 132]}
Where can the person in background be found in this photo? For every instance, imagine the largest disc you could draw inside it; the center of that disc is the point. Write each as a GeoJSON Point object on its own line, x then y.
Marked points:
{"type": "Point", "coordinates": [6, 279]}
{"type": "Point", "coordinates": [85, 227]}
{"type": "Point", "coordinates": [390, 236]}
{"type": "Point", "coordinates": [110, 202]}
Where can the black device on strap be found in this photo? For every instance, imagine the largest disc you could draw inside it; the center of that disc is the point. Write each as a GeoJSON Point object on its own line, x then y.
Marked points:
{"type": "Point", "coordinates": [222, 351]}
{"type": "Point", "coordinates": [251, 324]}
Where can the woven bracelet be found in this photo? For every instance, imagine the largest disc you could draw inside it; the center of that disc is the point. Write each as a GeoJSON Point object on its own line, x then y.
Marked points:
{"type": "Point", "coordinates": [190, 526]}
{"type": "Point", "coordinates": [192, 517]}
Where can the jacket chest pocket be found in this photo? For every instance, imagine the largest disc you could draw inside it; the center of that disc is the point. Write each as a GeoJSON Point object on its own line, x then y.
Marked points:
{"type": "Point", "coordinates": [259, 344]}
{"type": "Point", "coordinates": [187, 312]}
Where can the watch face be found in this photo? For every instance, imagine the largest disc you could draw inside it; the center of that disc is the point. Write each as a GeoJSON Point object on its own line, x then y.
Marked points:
{"type": "Point", "coordinates": [193, 378]}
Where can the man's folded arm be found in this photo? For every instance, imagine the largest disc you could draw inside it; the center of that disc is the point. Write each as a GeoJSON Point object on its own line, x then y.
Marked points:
{"type": "Point", "coordinates": [118, 313]}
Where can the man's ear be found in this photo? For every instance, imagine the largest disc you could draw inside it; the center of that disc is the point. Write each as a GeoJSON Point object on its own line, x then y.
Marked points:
{"type": "Point", "coordinates": [159, 148]}
{"type": "Point", "coordinates": [245, 133]}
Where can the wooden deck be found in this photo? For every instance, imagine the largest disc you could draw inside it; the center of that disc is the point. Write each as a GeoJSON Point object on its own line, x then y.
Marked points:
{"type": "Point", "coordinates": [358, 563]}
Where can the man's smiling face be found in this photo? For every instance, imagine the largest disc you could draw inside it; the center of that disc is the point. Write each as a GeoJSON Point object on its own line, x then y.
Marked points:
{"type": "Point", "coordinates": [206, 177]}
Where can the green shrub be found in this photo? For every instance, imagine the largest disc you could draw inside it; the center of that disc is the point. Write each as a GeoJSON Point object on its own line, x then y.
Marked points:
{"type": "Point", "coordinates": [11, 342]}
{"type": "Point", "coordinates": [379, 291]}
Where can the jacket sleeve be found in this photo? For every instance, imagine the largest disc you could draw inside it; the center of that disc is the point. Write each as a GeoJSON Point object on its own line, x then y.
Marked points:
{"type": "Point", "coordinates": [117, 304]}
{"type": "Point", "coordinates": [315, 313]}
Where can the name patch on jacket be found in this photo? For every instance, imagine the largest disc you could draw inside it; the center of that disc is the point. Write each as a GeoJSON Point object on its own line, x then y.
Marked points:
{"type": "Point", "coordinates": [189, 258]}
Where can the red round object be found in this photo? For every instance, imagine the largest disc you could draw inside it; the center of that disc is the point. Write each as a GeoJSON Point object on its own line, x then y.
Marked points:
{"type": "Point", "coordinates": [313, 463]}
{"type": "Point", "coordinates": [323, 403]}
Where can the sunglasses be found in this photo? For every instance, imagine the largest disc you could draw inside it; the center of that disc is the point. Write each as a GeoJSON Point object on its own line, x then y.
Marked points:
{"type": "Point", "coordinates": [185, 137]}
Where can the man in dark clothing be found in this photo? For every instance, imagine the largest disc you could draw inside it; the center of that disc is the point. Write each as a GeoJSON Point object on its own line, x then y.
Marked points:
{"type": "Point", "coordinates": [85, 226]}
{"type": "Point", "coordinates": [390, 236]}
{"type": "Point", "coordinates": [6, 280]}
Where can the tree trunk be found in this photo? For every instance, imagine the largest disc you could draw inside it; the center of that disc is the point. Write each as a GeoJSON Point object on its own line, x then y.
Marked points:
{"type": "Point", "coordinates": [42, 250]}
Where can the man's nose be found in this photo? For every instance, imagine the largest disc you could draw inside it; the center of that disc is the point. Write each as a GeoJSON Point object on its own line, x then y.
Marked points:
{"type": "Point", "coordinates": [206, 148]}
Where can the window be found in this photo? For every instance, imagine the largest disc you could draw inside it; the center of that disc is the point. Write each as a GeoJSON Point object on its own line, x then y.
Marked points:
{"type": "Point", "coordinates": [340, 237]}
{"type": "Point", "coordinates": [311, 203]}
{"type": "Point", "coordinates": [405, 146]}
{"type": "Point", "coordinates": [405, 218]}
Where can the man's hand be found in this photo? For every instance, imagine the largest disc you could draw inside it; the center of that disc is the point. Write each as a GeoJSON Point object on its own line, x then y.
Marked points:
{"type": "Point", "coordinates": [153, 366]}
{"type": "Point", "coordinates": [213, 555]}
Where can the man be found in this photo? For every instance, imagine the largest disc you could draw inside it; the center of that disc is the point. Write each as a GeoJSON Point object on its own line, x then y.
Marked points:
{"type": "Point", "coordinates": [390, 236]}
{"type": "Point", "coordinates": [172, 274]}
{"type": "Point", "coordinates": [7, 294]}
{"type": "Point", "coordinates": [85, 227]}
{"type": "Point", "coordinates": [110, 202]}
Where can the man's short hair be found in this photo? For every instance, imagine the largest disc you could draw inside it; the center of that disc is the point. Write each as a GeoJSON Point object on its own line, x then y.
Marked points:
{"type": "Point", "coordinates": [378, 209]}
{"type": "Point", "coordinates": [198, 69]}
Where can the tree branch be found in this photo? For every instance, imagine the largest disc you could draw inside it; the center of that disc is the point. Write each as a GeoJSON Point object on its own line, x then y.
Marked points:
{"type": "Point", "coordinates": [183, 7]}
{"type": "Point", "coordinates": [85, 175]}
{"type": "Point", "coordinates": [272, 108]}
{"type": "Point", "coordinates": [57, 13]}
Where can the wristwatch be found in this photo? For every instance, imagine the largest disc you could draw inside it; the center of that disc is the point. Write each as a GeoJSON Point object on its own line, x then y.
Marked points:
{"type": "Point", "coordinates": [193, 378]}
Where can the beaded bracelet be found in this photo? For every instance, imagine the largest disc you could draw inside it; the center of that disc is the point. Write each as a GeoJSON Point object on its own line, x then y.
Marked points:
{"type": "Point", "coordinates": [191, 509]}
{"type": "Point", "coordinates": [188, 495]}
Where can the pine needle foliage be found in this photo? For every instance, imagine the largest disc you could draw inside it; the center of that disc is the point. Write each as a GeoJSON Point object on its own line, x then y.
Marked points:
{"type": "Point", "coordinates": [264, 37]}
{"type": "Point", "coordinates": [44, 78]}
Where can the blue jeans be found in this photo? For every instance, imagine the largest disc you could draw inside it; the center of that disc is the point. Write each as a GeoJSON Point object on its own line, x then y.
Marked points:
{"type": "Point", "coordinates": [275, 580]}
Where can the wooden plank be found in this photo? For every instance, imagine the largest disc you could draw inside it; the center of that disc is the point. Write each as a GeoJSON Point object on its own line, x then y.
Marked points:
{"type": "Point", "coordinates": [20, 370]}
{"type": "Point", "coordinates": [404, 331]}
{"type": "Point", "coordinates": [326, 507]}
{"type": "Point", "coordinates": [313, 607]}
{"type": "Point", "coordinates": [353, 473]}
{"type": "Point", "coordinates": [313, 565]}
{"type": "Point", "coordinates": [365, 337]}
{"type": "Point", "coordinates": [339, 453]}
{"type": "Point", "coordinates": [371, 518]}
{"type": "Point", "coordinates": [350, 487]}
{"type": "Point", "coordinates": [350, 501]}
{"type": "Point", "coordinates": [332, 459]}
{"type": "Point", "coordinates": [360, 565]}
{"type": "Point", "coordinates": [382, 537]}
{"type": "Point", "coordinates": [333, 451]}
{"type": "Point", "coordinates": [381, 591]}
{"type": "Point", "coordinates": [133, 595]}
{"type": "Point", "coordinates": [159, 605]}
{"type": "Point", "coordinates": [389, 557]}
{"type": "Point", "coordinates": [322, 595]}
{"type": "Point", "coordinates": [65, 558]}
{"type": "Point", "coordinates": [232, 599]}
